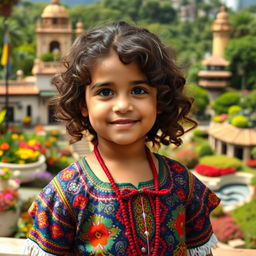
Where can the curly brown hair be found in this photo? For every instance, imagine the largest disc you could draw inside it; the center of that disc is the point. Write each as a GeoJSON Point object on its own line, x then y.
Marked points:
{"type": "Point", "coordinates": [131, 43]}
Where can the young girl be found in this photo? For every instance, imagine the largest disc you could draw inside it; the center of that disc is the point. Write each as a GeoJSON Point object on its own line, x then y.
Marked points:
{"type": "Point", "coordinates": [121, 85]}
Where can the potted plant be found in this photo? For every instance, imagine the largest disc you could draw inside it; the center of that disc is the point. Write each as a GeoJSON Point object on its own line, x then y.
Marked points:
{"type": "Point", "coordinates": [24, 156]}
{"type": "Point", "coordinates": [9, 199]}
{"type": "Point", "coordinates": [6, 7]}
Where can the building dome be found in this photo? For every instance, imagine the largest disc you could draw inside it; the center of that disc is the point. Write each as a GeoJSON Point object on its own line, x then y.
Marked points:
{"type": "Point", "coordinates": [55, 10]}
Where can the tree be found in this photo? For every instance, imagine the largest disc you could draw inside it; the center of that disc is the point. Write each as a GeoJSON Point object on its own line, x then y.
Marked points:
{"type": "Point", "coordinates": [241, 52]}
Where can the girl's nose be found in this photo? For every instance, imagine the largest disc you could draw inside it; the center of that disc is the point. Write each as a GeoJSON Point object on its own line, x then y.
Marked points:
{"type": "Point", "coordinates": [122, 105]}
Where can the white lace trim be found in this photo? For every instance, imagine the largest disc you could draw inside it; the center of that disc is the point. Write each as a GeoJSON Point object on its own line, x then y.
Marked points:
{"type": "Point", "coordinates": [205, 249]}
{"type": "Point", "coordinates": [32, 249]}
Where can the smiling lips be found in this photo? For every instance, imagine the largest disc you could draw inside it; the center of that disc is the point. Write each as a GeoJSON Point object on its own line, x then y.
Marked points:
{"type": "Point", "coordinates": [124, 123]}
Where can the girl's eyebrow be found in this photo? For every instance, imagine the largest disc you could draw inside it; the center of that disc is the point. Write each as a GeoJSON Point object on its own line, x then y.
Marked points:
{"type": "Point", "coordinates": [136, 82]}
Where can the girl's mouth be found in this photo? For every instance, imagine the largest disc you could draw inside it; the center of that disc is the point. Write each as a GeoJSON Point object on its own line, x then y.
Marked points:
{"type": "Point", "coordinates": [124, 123]}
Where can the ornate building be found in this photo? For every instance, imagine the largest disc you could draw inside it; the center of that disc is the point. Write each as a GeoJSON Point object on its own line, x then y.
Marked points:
{"type": "Point", "coordinates": [30, 96]}
{"type": "Point", "coordinates": [215, 79]}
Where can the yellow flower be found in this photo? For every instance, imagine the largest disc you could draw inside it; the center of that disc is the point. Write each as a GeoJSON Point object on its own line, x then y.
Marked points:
{"type": "Point", "coordinates": [15, 136]}
{"type": "Point", "coordinates": [5, 169]}
{"type": "Point", "coordinates": [52, 139]}
{"type": "Point", "coordinates": [1, 152]}
{"type": "Point", "coordinates": [21, 137]}
{"type": "Point", "coordinates": [21, 162]}
{"type": "Point", "coordinates": [32, 142]}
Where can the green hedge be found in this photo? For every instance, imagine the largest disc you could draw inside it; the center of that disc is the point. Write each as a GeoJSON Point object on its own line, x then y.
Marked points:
{"type": "Point", "coordinates": [204, 149]}
{"type": "Point", "coordinates": [240, 121]}
{"type": "Point", "coordinates": [246, 217]}
{"type": "Point", "coordinates": [221, 161]}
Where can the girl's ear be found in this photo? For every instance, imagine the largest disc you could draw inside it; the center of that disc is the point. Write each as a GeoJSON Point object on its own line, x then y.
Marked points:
{"type": "Point", "coordinates": [84, 112]}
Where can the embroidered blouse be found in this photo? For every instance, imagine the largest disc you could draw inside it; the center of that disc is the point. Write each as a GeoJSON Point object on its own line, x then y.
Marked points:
{"type": "Point", "coordinates": [78, 214]}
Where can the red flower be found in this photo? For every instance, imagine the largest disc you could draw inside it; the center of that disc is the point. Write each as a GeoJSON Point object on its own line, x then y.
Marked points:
{"type": "Point", "coordinates": [212, 171]}
{"type": "Point", "coordinates": [4, 146]}
{"type": "Point", "coordinates": [56, 231]}
{"type": "Point", "coordinates": [98, 235]}
{"type": "Point", "coordinates": [80, 201]}
{"type": "Point", "coordinates": [180, 224]}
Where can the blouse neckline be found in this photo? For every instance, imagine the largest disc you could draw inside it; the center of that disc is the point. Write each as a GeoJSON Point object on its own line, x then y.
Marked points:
{"type": "Point", "coordinates": [107, 185]}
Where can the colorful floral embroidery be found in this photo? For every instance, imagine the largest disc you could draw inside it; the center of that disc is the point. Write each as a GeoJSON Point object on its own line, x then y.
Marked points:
{"type": "Point", "coordinates": [178, 168]}
{"type": "Point", "coordinates": [177, 223]}
{"type": "Point", "coordinates": [42, 219]}
{"type": "Point", "coordinates": [73, 187]}
{"type": "Point", "coordinates": [80, 201]}
{"type": "Point", "coordinates": [180, 250]}
{"type": "Point", "coordinates": [33, 209]}
{"type": "Point", "coordinates": [199, 223]}
{"type": "Point", "coordinates": [213, 200]}
{"type": "Point", "coordinates": [56, 231]}
{"type": "Point", "coordinates": [181, 194]}
{"type": "Point", "coordinates": [67, 175]}
{"type": "Point", "coordinates": [100, 234]}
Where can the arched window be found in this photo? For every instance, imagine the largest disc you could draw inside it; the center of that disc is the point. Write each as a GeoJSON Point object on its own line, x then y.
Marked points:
{"type": "Point", "coordinates": [54, 45]}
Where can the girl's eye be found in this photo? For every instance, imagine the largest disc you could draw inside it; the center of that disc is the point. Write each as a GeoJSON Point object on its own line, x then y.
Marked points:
{"type": "Point", "coordinates": [105, 92]}
{"type": "Point", "coordinates": [139, 90]}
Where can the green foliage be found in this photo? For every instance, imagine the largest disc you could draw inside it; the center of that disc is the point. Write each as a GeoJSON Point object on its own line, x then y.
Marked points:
{"type": "Point", "coordinates": [253, 152]}
{"type": "Point", "coordinates": [239, 121]}
{"type": "Point", "coordinates": [204, 149]}
{"type": "Point", "coordinates": [235, 109]}
{"type": "Point", "coordinates": [201, 98]}
{"type": "Point", "coordinates": [246, 217]}
{"type": "Point", "coordinates": [224, 101]}
{"type": "Point", "coordinates": [49, 56]}
{"type": "Point", "coordinates": [241, 52]}
{"type": "Point", "coordinates": [253, 181]}
{"type": "Point", "coordinates": [218, 211]}
{"type": "Point", "coordinates": [221, 161]}
{"type": "Point", "coordinates": [248, 101]}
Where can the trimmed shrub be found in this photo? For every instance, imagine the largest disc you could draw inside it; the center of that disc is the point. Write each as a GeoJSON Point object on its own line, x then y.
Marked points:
{"type": "Point", "coordinates": [47, 57]}
{"type": "Point", "coordinates": [221, 161]}
{"type": "Point", "coordinates": [187, 156]}
{"type": "Point", "coordinates": [200, 133]}
{"type": "Point", "coordinates": [224, 101]}
{"type": "Point", "coordinates": [245, 215]}
{"type": "Point", "coordinates": [240, 121]}
{"type": "Point", "coordinates": [235, 109]}
{"type": "Point", "coordinates": [204, 149]}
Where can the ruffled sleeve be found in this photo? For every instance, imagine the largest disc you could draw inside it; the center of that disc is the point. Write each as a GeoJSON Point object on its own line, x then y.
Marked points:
{"type": "Point", "coordinates": [54, 220]}
{"type": "Point", "coordinates": [199, 235]}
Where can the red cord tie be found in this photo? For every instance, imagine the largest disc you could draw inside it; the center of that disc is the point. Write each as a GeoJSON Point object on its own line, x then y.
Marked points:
{"type": "Point", "coordinates": [128, 193]}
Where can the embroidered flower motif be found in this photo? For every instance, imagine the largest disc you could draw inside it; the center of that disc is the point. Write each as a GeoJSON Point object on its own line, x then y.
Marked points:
{"type": "Point", "coordinates": [42, 219]}
{"type": "Point", "coordinates": [199, 223]}
{"type": "Point", "coordinates": [73, 187]}
{"type": "Point", "coordinates": [178, 168]}
{"type": "Point", "coordinates": [80, 201]}
{"type": "Point", "coordinates": [179, 180]}
{"type": "Point", "coordinates": [56, 231]}
{"type": "Point", "coordinates": [99, 233]}
{"type": "Point", "coordinates": [181, 194]}
{"type": "Point", "coordinates": [177, 223]}
{"type": "Point", "coordinates": [67, 175]}
{"type": "Point", "coordinates": [180, 224]}
{"type": "Point", "coordinates": [180, 250]}
{"type": "Point", "coordinates": [109, 209]}
{"type": "Point", "coordinates": [213, 200]}
{"type": "Point", "coordinates": [33, 209]}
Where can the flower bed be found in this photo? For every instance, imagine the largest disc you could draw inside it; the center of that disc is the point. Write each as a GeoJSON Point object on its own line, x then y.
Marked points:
{"type": "Point", "coordinates": [251, 163]}
{"type": "Point", "coordinates": [212, 171]}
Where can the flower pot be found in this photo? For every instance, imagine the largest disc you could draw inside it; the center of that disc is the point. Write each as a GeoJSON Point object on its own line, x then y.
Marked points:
{"type": "Point", "coordinates": [26, 172]}
{"type": "Point", "coordinates": [8, 184]}
{"type": "Point", "coordinates": [8, 222]}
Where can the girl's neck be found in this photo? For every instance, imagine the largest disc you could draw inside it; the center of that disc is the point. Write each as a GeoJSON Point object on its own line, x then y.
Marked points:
{"type": "Point", "coordinates": [123, 153]}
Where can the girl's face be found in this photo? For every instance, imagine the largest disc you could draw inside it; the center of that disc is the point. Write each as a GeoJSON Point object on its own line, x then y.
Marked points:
{"type": "Point", "coordinates": [121, 105]}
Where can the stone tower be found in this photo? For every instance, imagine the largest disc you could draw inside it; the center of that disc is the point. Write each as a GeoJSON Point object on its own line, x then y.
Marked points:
{"type": "Point", "coordinates": [215, 79]}
{"type": "Point", "coordinates": [221, 33]}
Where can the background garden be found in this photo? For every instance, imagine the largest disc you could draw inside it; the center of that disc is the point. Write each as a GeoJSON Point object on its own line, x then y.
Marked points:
{"type": "Point", "coordinates": [192, 40]}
